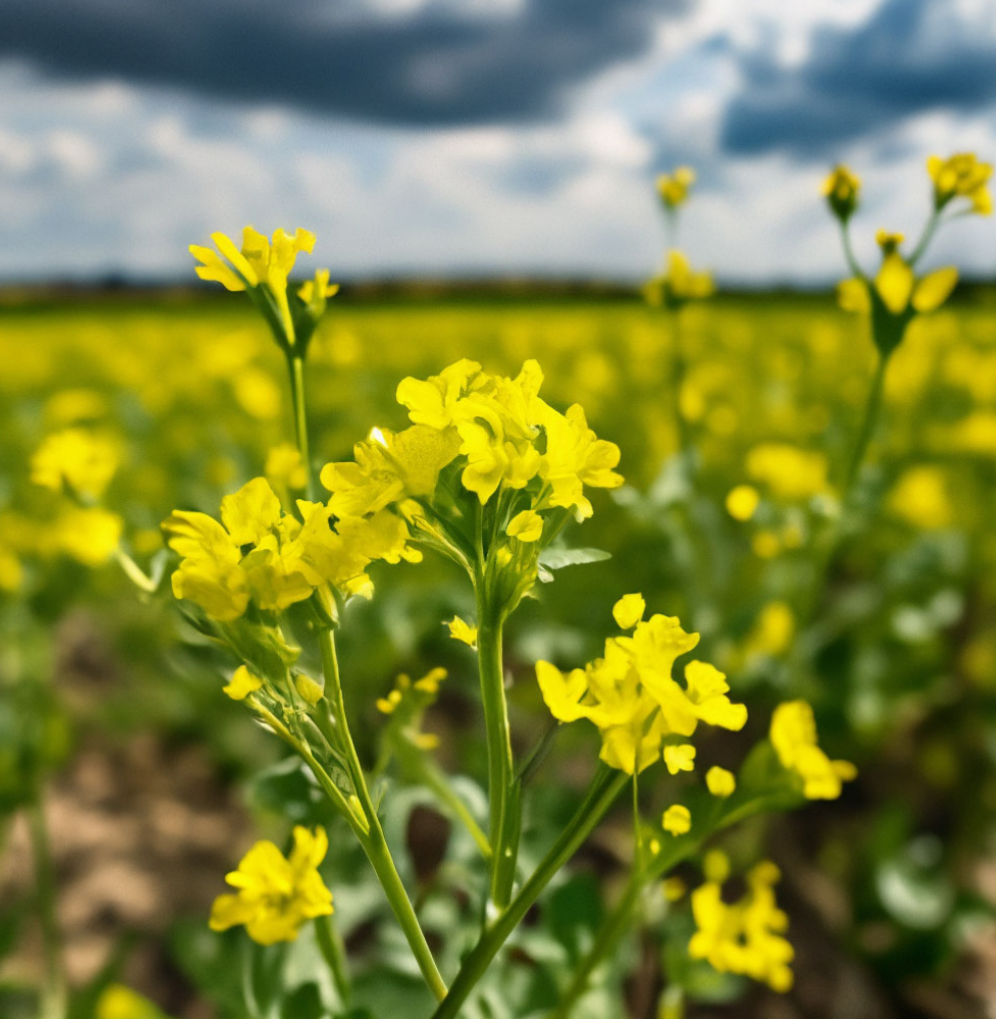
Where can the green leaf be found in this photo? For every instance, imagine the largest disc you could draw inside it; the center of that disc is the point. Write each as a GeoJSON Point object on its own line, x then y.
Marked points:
{"type": "Point", "coordinates": [558, 558]}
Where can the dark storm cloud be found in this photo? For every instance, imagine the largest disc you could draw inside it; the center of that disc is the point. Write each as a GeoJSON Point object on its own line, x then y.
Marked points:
{"type": "Point", "coordinates": [906, 59]}
{"type": "Point", "coordinates": [441, 63]}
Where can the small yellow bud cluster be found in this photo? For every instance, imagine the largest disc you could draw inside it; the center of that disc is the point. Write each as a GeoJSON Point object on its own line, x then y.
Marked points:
{"type": "Point", "coordinates": [746, 937]}
{"type": "Point", "coordinates": [406, 705]}
{"type": "Point", "coordinates": [841, 190]}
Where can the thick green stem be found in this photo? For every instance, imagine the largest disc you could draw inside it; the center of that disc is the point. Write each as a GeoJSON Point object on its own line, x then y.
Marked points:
{"type": "Point", "coordinates": [604, 790]}
{"type": "Point", "coordinates": [374, 843]}
{"type": "Point", "coordinates": [503, 799]}
{"type": "Point", "coordinates": [54, 997]}
{"type": "Point", "coordinates": [334, 952]}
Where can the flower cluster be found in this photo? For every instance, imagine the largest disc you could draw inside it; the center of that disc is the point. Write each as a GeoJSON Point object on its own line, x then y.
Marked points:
{"type": "Point", "coordinates": [793, 735]}
{"type": "Point", "coordinates": [407, 702]}
{"type": "Point", "coordinates": [75, 461]}
{"type": "Point", "coordinates": [841, 191]}
{"type": "Point", "coordinates": [276, 894]}
{"type": "Point", "coordinates": [961, 176]}
{"type": "Point", "coordinates": [673, 188]}
{"type": "Point", "coordinates": [261, 554]}
{"type": "Point", "coordinates": [261, 268]}
{"type": "Point", "coordinates": [641, 711]}
{"type": "Point", "coordinates": [78, 464]}
{"type": "Point", "coordinates": [745, 937]}
{"type": "Point", "coordinates": [895, 288]}
{"type": "Point", "coordinates": [678, 284]}
{"type": "Point", "coordinates": [524, 464]}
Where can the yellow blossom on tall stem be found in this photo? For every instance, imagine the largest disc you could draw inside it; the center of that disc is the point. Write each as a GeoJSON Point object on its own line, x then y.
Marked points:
{"type": "Point", "coordinates": [674, 187]}
{"type": "Point", "coordinates": [962, 175]}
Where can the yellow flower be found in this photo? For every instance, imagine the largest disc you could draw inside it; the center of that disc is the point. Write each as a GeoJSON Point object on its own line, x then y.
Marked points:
{"type": "Point", "coordinates": [921, 498]}
{"type": "Point", "coordinates": [677, 820]}
{"type": "Point", "coordinates": [962, 176]}
{"type": "Point", "coordinates": [673, 188]}
{"type": "Point", "coordinates": [841, 191]}
{"type": "Point", "coordinates": [679, 758]}
{"type": "Point", "coordinates": [119, 1002]}
{"type": "Point", "coordinates": [91, 536]}
{"type": "Point", "coordinates": [462, 631]}
{"type": "Point", "coordinates": [632, 698]}
{"type": "Point", "coordinates": [744, 937]}
{"type": "Point", "coordinates": [678, 284]}
{"type": "Point", "coordinates": [900, 293]}
{"type": "Point", "coordinates": [628, 611]}
{"type": "Point", "coordinates": [262, 554]}
{"type": "Point", "coordinates": [526, 526]}
{"type": "Point", "coordinates": [319, 288]}
{"type": "Point", "coordinates": [742, 502]}
{"type": "Point", "coordinates": [789, 472]}
{"type": "Point", "coordinates": [242, 684]}
{"type": "Point", "coordinates": [276, 895]}
{"type": "Point", "coordinates": [772, 634]}
{"type": "Point", "coordinates": [310, 691]}
{"type": "Point", "coordinates": [77, 460]}
{"type": "Point", "coordinates": [793, 735]}
{"type": "Point", "coordinates": [720, 782]}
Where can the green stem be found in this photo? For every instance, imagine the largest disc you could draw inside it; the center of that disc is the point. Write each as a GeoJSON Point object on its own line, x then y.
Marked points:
{"type": "Point", "coordinates": [134, 572]}
{"type": "Point", "coordinates": [604, 790]}
{"type": "Point", "coordinates": [334, 952]}
{"type": "Point", "coordinates": [502, 785]}
{"type": "Point", "coordinates": [855, 266]}
{"type": "Point", "coordinates": [295, 368]}
{"type": "Point", "coordinates": [611, 933]}
{"type": "Point", "coordinates": [436, 780]}
{"type": "Point", "coordinates": [873, 410]}
{"type": "Point", "coordinates": [928, 234]}
{"type": "Point", "coordinates": [374, 843]}
{"type": "Point", "coordinates": [54, 998]}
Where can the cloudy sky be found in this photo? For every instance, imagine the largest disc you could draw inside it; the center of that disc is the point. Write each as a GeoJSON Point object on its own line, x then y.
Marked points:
{"type": "Point", "coordinates": [474, 137]}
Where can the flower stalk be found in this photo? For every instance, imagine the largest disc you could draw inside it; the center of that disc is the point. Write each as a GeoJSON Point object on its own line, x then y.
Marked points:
{"type": "Point", "coordinates": [54, 1001]}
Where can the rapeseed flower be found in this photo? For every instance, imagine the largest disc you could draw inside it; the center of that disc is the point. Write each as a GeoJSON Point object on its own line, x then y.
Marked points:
{"type": "Point", "coordinates": [678, 284]}
{"type": "Point", "coordinates": [677, 820]}
{"type": "Point", "coordinates": [793, 735]}
{"type": "Point", "coordinates": [673, 188]}
{"type": "Point", "coordinates": [896, 290]}
{"type": "Point", "coordinates": [841, 189]}
{"type": "Point", "coordinates": [789, 472]}
{"type": "Point", "coordinates": [463, 631]}
{"type": "Point", "coordinates": [632, 698]}
{"type": "Point", "coordinates": [261, 268]}
{"type": "Point", "coordinates": [276, 894]}
{"type": "Point", "coordinates": [720, 782]}
{"type": "Point", "coordinates": [76, 461]}
{"type": "Point", "coordinates": [745, 937]}
{"type": "Point", "coordinates": [961, 176]}
{"type": "Point", "coordinates": [257, 552]}
{"type": "Point", "coordinates": [921, 498]}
